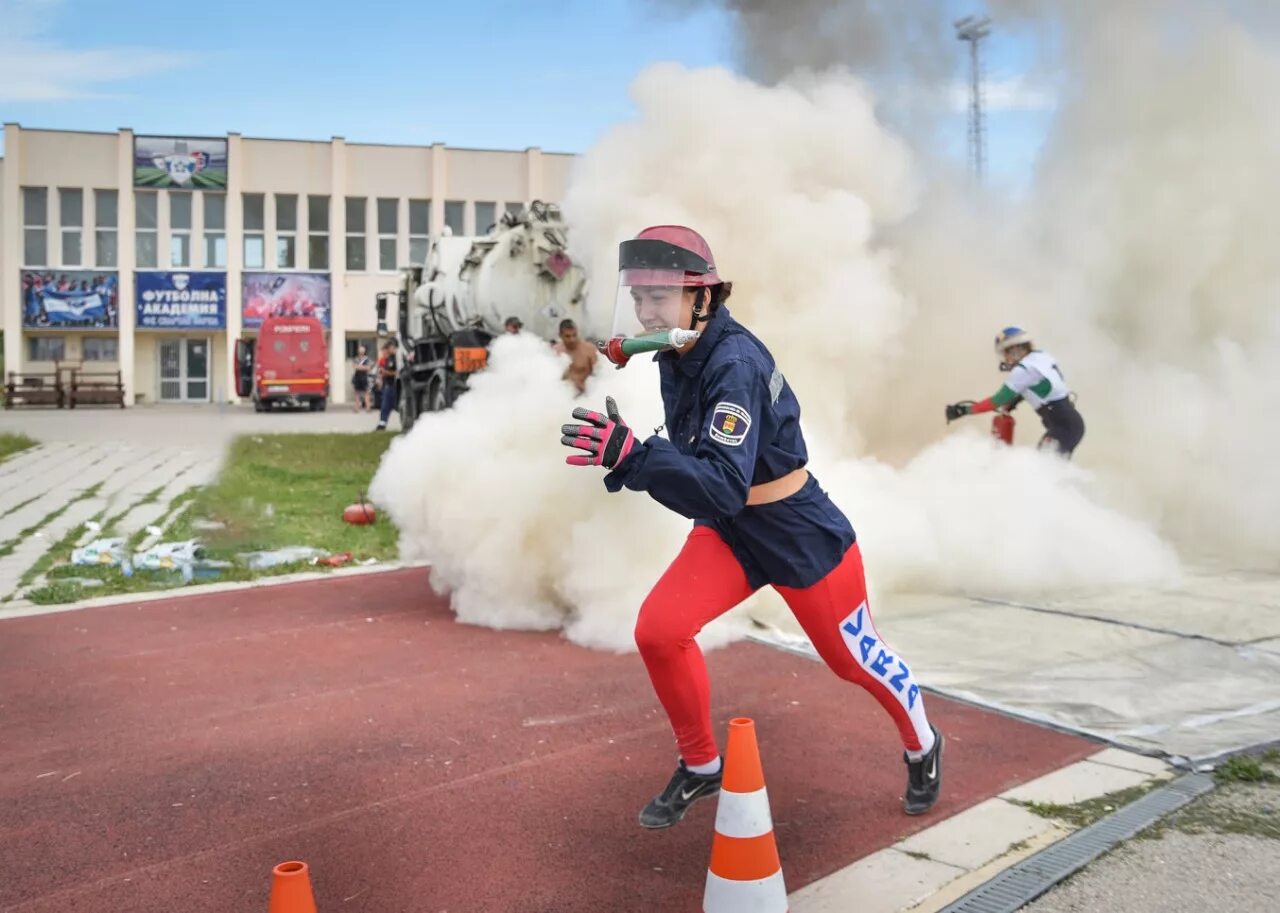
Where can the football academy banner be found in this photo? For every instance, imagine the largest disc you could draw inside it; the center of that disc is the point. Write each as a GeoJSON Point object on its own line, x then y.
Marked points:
{"type": "Point", "coordinates": [285, 295]}
{"type": "Point", "coordinates": [70, 299]}
{"type": "Point", "coordinates": [181, 301]}
{"type": "Point", "coordinates": [180, 163]}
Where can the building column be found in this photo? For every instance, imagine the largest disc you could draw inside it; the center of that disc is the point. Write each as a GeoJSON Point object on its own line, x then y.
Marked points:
{"type": "Point", "coordinates": [338, 273]}
{"type": "Point", "coordinates": [534, 187]}
{"type": "Point", "coordinates": [439, 187]}
{"type": "Point", "coordinates": [11, 255]}
{"type": "Point", "coordinates": [125, 261]}
{"type": "Point", "coordinates": [235, 260]}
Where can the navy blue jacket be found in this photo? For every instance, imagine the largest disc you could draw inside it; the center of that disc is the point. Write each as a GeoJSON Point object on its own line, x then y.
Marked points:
{"type": "Point", "coordinates": [734, 422]}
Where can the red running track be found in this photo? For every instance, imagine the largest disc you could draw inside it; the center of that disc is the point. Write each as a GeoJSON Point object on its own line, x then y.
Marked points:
{"type": "Point", "coordinates": [164, 756]}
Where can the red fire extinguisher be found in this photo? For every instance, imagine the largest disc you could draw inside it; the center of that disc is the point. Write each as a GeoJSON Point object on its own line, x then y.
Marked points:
{"type": "Point", "coordinates": [1002, 427]}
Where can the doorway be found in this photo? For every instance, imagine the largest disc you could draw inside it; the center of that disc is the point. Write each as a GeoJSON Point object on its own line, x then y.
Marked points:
{"type": "Point", "coordinates": [184, 370]}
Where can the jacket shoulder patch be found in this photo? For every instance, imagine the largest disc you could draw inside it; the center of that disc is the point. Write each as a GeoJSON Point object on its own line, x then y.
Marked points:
{"type": "Point", "coordinates": [729, 424]}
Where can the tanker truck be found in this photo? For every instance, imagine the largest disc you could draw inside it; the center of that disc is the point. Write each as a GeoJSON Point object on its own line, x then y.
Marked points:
{"type": "Point", "coordinates": [456, 301]}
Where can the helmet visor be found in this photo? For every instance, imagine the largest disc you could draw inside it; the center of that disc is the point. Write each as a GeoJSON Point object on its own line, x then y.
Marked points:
{"type": "Point", "coordinates": [652, 278]}
{"type": "Point", "coordinates": [647, 307]}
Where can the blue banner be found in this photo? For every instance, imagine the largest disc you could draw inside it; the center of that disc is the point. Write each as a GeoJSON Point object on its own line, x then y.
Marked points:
{"type": "Point", "coordinates": [70, 299]}
{"type": "Point", "coordinates": [181, 301]}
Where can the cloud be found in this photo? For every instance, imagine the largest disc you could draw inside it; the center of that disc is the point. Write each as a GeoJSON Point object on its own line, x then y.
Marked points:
{"type": "Point", "coordinates": [33, 67]}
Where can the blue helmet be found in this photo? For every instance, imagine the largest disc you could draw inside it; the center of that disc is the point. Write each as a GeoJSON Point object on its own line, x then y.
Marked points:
{"type": "Point", "coordinates": [1010, 337]}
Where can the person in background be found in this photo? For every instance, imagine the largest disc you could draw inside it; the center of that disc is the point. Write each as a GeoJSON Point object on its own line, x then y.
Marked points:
{"type": "Point", "coordinates": [582, 356]}
{"type": "Point", "coordinates": [360, 381]}
{"type": "Point", "coordinates": [513, 326]}
{"type": "Point", "coordinates": [388, 368]}
{"type": "Point", "coordinates": [1034, 376]}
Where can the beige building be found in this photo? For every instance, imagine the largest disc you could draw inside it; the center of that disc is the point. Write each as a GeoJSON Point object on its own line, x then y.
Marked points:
{"type": "Point", "coordinates": [152, 254]}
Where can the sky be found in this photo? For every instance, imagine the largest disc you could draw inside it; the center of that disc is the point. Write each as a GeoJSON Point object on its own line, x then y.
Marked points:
{"type": "Point", "coordinates": [503, 74]}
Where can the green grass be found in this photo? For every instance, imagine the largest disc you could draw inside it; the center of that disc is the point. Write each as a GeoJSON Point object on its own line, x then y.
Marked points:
{"type": "Point", "coordinates": [14, 443]}
{"type": "Point", "coordinates": [290, 489]}
{"type": "Point", "coordinates": [1246, 801]}
{"type": "Point", "coordinates": [159, 178]}
{"type": "Point", "coordinates": [1246, 769]}
{"type": "Point", "coordinates": [1085, 813]}
{"type": "Point", "coordinates": [274, 491]}
{"type": "Point", "coordinates": [8, 548]}
{"type": "Point", "coordinates": [62, 548]}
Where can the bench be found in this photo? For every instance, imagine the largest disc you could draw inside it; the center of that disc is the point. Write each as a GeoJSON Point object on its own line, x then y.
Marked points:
{"type": "Point", "coordinates": [34, 388]}
{"type": "Point", "coordinates": [95, 388]}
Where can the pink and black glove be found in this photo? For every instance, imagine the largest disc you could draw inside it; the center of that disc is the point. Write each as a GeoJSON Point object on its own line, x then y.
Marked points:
{"type": "Point", "coordinates": [607, 439]}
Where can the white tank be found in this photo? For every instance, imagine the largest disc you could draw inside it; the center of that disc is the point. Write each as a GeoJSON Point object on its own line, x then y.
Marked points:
{"type": "Point", "coordinates": [521, 269]}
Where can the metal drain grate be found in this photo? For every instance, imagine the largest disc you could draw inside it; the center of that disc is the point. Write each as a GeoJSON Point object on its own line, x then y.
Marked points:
{"type": "Point", "coordinates": [1024, 882]}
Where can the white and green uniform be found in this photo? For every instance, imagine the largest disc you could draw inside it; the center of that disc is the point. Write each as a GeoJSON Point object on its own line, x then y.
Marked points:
{"type": "Point", "coordinates": [1036, 378]}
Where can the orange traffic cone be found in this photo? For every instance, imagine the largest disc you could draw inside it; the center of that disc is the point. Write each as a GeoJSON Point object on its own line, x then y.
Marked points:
{"type": "Point", "coordinates": [291, 889]}
{"type": "Point", "coordinates": [745, 875]}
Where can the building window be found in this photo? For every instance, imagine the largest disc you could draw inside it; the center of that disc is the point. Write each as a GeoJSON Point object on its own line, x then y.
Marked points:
{"type": "Point", "coordinates": [180, 229]}
{"type": "Point", "coordinates": [145, 209]}
{"type": "Point", "coordinates": [46, 348]}
{"type": "Point", "coordinates": [286, 230]}
{"type": "Point", "coordinates": [388, 228]}
{"type": "Point", "coordinates": [419, 230]}
{"type": "Point", "coordinates": [106, 217]}
{"type": "Point", "coordinates": [453, 210]}
{"type": "Point", "coordinates": [255, 239]}
{"type": "Point", "coordinates": [356, 261]}
{"type": "Point", "coordinates": [71, 224]}
{"type": "Point", "coordinates": [215, 229]}
{"type": "Point", "coordinates": [318, 232]}
{"type": "Point", "coordinates": [485, 217]}
{"type": "Point", "coordinates": [514, 208]}
{"type": "Point", "coordinates": [35, 226]}
{"type": "Point", "coordinates": [353, 344]}
{"type": "Point", "coordinates": [98, 348]}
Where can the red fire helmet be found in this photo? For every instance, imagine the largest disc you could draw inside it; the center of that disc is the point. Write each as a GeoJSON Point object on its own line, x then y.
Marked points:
{"type": "Point", "coordinates": [667, 255]}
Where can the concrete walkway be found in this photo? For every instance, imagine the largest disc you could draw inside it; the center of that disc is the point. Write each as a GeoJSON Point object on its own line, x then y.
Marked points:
{"type": "Point", "coordinates": [200, 427]}
{"type": "Point", "coordinates": [1188, 673]}
{"type": "Point", "coordinates": [51, 490]}
{"type": "Point", "coordinates": [127, 466]}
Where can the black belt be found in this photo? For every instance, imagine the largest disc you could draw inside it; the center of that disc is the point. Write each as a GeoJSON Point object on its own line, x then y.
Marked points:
{"type": "Point", "coordinates": [1049, 408]}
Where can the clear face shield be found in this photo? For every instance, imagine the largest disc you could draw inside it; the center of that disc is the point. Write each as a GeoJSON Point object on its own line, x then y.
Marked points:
{"type": "Point", "coordinates": [645, 309]}
{"type": "Point", "coordinates": [648, 314]}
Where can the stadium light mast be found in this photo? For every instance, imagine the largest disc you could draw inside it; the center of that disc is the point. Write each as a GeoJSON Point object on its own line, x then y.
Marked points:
{"type": "Point", "coordinates": [973, 29]}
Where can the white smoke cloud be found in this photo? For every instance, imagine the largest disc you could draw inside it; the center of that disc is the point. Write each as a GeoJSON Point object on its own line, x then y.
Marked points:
{"type": "Point", "coordinates": [878, 291]}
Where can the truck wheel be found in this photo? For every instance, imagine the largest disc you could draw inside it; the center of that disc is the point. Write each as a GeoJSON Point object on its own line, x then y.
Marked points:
{"type": "Point", "coordinates": [259, 405]}
{"type": "Point", "coordinates": [410, 408]}
{"type": "Point", "coordinates": [438, 398]}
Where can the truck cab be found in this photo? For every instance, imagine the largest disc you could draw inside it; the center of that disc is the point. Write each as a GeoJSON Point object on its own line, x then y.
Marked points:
{"type": "Point", "coordinates": [288, 364]}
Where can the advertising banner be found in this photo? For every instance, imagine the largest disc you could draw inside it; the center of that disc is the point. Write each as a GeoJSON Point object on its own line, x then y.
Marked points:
{"type": "Point", "coordinates": [180, 163]}
{"type": "Point", "coordinates": [285, 295]}
{"type": "Point", "coordinates": [70, 299]}
{"type": "Point", "coordinates": [181, 301]}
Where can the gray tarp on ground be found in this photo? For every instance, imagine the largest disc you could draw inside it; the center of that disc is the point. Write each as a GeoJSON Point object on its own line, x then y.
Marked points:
{"type": "Point", "coordinates": [1192, 672]}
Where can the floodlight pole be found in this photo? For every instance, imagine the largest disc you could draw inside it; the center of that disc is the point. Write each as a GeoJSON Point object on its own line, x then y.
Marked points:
{"type": "Point", "coordinates": [974, 30]}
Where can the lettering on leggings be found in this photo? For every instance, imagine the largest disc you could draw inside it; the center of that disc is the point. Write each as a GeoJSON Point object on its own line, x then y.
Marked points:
{"type": "Point", "coordinates": [884, 662]}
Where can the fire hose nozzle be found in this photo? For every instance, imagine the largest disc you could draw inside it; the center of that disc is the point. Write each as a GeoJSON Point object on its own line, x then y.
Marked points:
{"type": "Point", "coordinates": [619, 349]}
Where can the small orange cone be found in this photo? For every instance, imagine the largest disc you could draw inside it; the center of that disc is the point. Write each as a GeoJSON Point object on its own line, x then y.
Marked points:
{"type": "Point", "coordinates": [745, 875]}
{"type": "Point", "coordinates": [291, 889]}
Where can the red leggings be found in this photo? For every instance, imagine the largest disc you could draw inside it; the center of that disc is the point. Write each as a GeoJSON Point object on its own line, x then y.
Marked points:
{"type": "Point", "coordinates": [705, 581]}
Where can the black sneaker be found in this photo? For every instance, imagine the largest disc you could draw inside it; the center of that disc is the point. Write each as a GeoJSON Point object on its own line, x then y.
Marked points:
{"type": "Point", "coordinates": [924, 778]}
{"type": "Point", "coordinates": [684, 789]}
